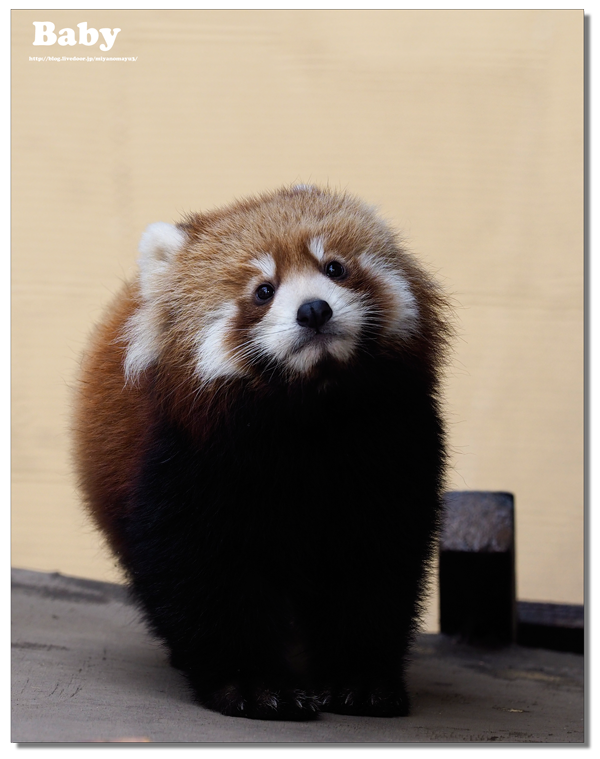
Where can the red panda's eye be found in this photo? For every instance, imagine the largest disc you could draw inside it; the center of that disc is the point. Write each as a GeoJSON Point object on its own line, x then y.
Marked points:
{"type": "Point", "coordinates": [335, 270]}
{"type": "Point", "coordinates": [264, 293]}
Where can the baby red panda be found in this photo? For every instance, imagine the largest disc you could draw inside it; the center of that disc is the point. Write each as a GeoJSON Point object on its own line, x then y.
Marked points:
{"type": "Point", "coordinates": [258, 435]}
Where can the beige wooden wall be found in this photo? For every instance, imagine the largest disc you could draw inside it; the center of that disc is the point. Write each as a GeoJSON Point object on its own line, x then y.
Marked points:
{"type": "Point", "coordinates": [465, 127]}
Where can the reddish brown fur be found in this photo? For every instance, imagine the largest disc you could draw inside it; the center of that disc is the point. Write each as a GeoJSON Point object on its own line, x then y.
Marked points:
{"type": "Point", "coordinates": [106, 454]}
{"type": "Point", "coordinates": [215, 267]}
{"type": "Point", "coordinates": [223, 242]}
{"type": "Point", "coordinates": [217, 438]}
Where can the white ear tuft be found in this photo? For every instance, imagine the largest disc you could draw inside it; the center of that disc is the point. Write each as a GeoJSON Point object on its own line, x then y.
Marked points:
{"type": "Point", "coordinates": [160, 241]}
{"type": "Point", "coordinates": [157, 247]}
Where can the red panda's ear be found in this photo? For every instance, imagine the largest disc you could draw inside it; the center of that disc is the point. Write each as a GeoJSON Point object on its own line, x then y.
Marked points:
{"type": "Point", "coordinates": [158, 245]}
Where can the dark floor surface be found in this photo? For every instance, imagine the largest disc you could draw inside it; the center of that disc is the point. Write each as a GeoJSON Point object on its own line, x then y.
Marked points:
{"type": "Point", "coordinates": [84, 669]}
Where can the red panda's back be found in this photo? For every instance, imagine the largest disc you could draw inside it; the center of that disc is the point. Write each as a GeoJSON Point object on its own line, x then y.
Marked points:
{"type": "Point", "coordinates": [109, 420]}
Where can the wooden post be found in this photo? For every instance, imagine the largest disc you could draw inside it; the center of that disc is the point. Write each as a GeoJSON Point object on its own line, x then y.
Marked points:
{"type": "Point", "coordinates": [477, 567]}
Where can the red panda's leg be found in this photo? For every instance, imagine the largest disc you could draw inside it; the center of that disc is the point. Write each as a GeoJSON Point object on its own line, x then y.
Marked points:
{"type": "Point", "coordinates": [201, 572]}
{"type": "Point", "coordinates": [371, 617]}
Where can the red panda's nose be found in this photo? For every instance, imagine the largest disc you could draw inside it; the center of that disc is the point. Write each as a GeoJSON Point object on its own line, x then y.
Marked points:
{"type": "Point", "coordinates": [314, 314]}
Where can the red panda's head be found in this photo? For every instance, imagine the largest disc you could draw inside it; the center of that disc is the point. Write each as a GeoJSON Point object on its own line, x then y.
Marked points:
{"type": "Point", "coordinates": [279, 284]}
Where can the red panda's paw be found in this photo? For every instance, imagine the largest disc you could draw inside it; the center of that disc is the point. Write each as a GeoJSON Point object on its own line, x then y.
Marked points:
{"type": "Point", "coordinates": [283, 704]}
{"type": "Point", "coordinates": [375, 701]}
{"type": "Point", "coordinates": [259, 701]}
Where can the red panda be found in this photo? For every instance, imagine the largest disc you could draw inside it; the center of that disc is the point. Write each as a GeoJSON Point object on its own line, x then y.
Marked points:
{"type": "Point", "coordinates": [258, 435]}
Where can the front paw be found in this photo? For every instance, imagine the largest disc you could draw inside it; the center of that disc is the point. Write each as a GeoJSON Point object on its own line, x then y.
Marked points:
{"type": "Point", "coordinates": [260, 701]}
{"type": "Point", "coordinates": [371, 701]}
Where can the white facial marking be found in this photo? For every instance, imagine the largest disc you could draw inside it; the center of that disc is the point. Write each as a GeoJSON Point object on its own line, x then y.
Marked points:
{"type": "Point", "coordinates": [317, 248]}
{"type": "Point", "coordinates": [213, 357]}
{"type": "Point", "coordinates": [265, 263]}
{"type": "Point", "coordinates": [279, 336]}
{"type": "Point", "coordinates": [403, 320]}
